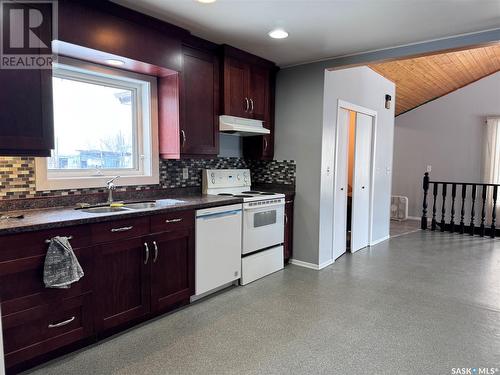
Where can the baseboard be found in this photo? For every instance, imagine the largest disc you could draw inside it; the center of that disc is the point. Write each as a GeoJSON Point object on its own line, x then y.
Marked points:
{"type": "Point", "coordinates": [376, 242]}
{"type": "Point", "coordinates": [414, 218]}
{"type": "Point", "coordinates": [312, 266]}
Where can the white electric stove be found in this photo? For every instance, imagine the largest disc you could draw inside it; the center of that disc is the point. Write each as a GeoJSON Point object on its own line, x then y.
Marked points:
{"type": "Point", "coordinates": [263, 221]}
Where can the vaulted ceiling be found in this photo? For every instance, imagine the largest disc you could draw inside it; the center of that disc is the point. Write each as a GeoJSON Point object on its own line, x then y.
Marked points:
{"type": "Point", "coordinates": [422, 79]}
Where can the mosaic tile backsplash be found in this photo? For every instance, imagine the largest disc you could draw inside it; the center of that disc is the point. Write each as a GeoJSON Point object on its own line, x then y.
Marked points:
{"type": "Point", "coordinates": [17, 175]}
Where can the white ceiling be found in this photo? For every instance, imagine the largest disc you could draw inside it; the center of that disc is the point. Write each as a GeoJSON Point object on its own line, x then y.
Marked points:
{"type": "Point", "coordinates": [321, 29]}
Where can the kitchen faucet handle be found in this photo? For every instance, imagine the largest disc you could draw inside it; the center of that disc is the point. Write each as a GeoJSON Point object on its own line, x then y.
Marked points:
{"type": "Point", "coordinates": [110, 182]}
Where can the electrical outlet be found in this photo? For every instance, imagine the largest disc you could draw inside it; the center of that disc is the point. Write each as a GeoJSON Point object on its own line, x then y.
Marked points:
{"type": "Point", "coordinates": [185, 173]}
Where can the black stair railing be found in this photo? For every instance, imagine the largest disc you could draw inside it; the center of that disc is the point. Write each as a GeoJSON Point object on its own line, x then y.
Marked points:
{"type": "Point", "coordinates": [472, 191]}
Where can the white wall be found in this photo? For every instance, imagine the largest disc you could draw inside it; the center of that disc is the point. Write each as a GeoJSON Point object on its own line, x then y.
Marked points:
{"type": "Point", "coordinates": [446, 133]}
{"type": "Point", "coordinates": [363, 87]}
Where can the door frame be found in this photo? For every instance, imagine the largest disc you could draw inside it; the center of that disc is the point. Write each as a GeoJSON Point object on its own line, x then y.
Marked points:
{"type": "Point", "coordinates": [343, 104]}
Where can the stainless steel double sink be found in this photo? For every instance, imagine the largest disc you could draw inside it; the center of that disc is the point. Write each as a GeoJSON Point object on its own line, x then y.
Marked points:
{"type": "Point", "coordinates": [128, 206]}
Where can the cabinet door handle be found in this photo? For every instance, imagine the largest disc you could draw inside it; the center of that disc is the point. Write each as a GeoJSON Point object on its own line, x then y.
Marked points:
{"type": "Point", "coordinates": [55, 325]}
{"type": "Point", "coordinates": [286, 219]}
{"type": "Point", "coordinates": [183, 134]}
{"type": "Point", "coordinates": [168, 221]}
{"type": "Point", "coordinates": [265, 144]}
{"type": "Point", "coordinates": [147, 253]}
{"type": "Point", "coordinates": [247, 104]}
{"type": "Point", "coordinates": [122, 229]}
{"type": "Point", "coordinates": [156, 251]}
{"type": "Point", "coordinates": [251, 105]}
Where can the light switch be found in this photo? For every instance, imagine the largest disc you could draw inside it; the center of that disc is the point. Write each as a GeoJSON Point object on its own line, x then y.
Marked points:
{"type": "Point", "coordinates": [185, 173]}
{"type": "Point", "coordinates": [429, 168]}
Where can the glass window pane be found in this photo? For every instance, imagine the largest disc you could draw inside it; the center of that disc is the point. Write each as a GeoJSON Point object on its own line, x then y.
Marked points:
{"type": "Point", "coordinates": [93, 124]}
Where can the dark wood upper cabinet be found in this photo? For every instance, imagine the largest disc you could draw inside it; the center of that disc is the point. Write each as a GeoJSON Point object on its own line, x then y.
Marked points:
{"type": "Point", "coordinates": [26, 118]}
{"type": "Point", "coordinates": [199, 87]}
{"type": "Point", "coordinates": [248, 84]}
{"type": "Point", "coordinates": [236, 101]}
{"type": "Point", "coordinates": [258, 92]}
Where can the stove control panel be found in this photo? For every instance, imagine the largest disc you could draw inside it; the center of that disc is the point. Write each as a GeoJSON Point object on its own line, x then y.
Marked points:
{"type": "Point", "coordinates": [225, 179]}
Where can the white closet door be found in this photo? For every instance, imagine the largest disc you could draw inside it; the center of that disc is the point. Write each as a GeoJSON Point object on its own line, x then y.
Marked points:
{"type": "Point", "coordinates": [340, 194]}
{"type": "Point", "coordinates": [360, 225]}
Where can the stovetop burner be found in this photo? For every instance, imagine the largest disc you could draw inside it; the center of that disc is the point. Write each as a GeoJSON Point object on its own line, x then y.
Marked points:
{"type": "Point", "coordinates": [266, 193]}
{"type": "Point", "coordinates": [251, 192]}
{"type": "Point", "coordinates": [226, 194]}
{"type": "Point", "coordinates": [241, 195]}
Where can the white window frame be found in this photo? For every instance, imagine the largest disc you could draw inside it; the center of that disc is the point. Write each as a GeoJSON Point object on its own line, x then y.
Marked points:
{"type": "Point", "coordinates": [145, 120]}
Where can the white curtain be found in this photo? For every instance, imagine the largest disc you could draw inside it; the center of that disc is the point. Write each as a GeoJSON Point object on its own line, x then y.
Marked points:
{"type": "Point", "coordinates": [491, 165]}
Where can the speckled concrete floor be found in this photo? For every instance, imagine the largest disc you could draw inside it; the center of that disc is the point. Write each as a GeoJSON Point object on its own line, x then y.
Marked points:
{"type": "Point", "coordinates": [423, 303]}
{"type": "Point", "coordinates": [399, 228]}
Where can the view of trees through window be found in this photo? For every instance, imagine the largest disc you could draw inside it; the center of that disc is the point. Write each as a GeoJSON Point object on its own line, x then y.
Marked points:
{"type": "Point", "coordinates": [93, 124]}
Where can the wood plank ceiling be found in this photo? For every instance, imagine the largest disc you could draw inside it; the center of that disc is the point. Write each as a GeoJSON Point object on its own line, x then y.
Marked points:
{"type": "Point", "coordinates": [422, 79]}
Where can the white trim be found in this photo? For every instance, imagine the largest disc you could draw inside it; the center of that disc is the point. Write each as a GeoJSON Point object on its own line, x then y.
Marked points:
{"type": "Point", "coordinates": [376, 242]}
{"type": "Point", "coordinates": [356, 108]}
{"type": "Point", "coordinates": [374, 115]}
{"type": "Point", "coordinates": [312, 266]}
{"type": "Point", "coordinates": [145, 171]}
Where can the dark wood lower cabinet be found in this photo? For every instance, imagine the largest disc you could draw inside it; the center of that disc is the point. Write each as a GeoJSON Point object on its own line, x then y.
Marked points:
{"type": "Point", "coordinates": [288, 244]}
{"type": "Point", "coordinates": [172, 268]}
{"type": "Point", "coordinates": [127, 280]}
{"type": "Point", "coordinates": [123, 293]}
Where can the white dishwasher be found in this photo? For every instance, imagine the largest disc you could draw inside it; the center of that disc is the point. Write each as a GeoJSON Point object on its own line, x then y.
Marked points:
{"type": "Point", "coordinates": [218, 247]}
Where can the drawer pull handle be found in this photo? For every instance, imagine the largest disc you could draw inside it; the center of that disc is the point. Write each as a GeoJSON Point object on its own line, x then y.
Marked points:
{"type": "Point", "coordinates": [122, 229]}
{"type": "Point", "coordinates": [147, 253]}
{"type": "Point", "coordinates": [156, 252]}
{"type": "Point", "coordinates": [173, 220]}
{"type": "Point", "coordinates": [55, 325]}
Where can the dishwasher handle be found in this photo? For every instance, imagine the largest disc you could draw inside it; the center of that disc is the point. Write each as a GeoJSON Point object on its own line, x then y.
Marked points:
{"type": "Point", "coordinates": [218, 214]}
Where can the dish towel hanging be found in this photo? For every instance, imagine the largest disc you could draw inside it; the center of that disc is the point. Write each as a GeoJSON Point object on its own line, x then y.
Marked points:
{"type": "Point", "coordinates": [61, 267]}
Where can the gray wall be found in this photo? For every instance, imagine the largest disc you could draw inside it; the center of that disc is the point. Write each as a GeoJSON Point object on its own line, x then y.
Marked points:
{"type": "Point", "coordinates": [447, 133]}
{"type": "Point", "coordinates": [299, 116]}
{"type": "Point", "coordinates": [299, 121]}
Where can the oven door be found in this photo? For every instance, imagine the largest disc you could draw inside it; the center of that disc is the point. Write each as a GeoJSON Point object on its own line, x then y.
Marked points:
{"type": "Point", "coordinates": [263, 227]}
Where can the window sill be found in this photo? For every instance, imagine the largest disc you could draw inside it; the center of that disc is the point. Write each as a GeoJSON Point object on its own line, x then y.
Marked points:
{"type": "Point", "coordinates": [93, 182]}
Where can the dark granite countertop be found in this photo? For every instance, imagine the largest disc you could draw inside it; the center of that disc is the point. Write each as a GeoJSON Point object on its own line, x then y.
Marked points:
{"type": "Point", "coordinates": [38, 219]}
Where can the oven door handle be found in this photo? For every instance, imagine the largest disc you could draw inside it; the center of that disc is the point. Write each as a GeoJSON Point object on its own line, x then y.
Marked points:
{"type": "Point", "coordinates": [247, 207]}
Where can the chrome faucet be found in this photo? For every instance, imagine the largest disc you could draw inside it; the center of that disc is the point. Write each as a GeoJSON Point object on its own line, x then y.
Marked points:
{"type": "Point", "coordinates": [111, 186]}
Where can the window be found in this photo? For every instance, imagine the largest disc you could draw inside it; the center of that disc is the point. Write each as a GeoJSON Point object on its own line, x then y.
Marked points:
{"type": "Point", "coordinates": [105, 124]}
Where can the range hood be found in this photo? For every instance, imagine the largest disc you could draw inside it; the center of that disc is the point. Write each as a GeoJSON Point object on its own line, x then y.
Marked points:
{"type": "Point", "coordinates": [241, 126]}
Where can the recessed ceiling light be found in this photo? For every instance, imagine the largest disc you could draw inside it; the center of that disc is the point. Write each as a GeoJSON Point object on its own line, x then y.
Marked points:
{"type": "Point", "coordinates": [206, 1]}
{"type": "Point", "coordinates": [114, 62]}
{"type": "Point", "coordinates": [278, 34]}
